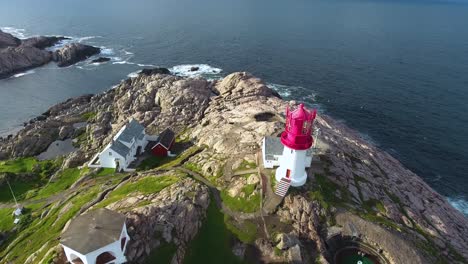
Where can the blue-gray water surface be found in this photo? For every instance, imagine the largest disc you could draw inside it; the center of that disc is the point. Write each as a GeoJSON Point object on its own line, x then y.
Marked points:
{"type": "Point", "coordinates": [397, 71]}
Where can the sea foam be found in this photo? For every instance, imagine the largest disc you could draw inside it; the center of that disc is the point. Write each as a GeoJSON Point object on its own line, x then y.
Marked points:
{"type": "Point", "coordinates": [17, 32]}
{"type": "Point", "coordinates": [203, 70]}
{"type": "Point", "coordinates": [459, 203]}
{"type": "Point", "coordinates": [23, 74]}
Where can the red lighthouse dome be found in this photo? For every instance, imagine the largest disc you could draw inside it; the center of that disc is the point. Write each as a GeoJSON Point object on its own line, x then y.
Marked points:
{"type": "Point", "coordinates": [297, 134]}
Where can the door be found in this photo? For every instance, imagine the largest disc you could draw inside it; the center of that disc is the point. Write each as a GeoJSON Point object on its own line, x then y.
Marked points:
{"type": "Point", "coordinates": [288, 173]}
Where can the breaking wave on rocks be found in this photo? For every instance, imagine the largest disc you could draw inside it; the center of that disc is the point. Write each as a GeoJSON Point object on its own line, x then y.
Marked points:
{"type": "Point", "coordinates": [193, 70]}
{"type": "Point", "coordinates": [292, 92]}
{"type": "Point", "coordinates": [459, 203]}
{"type": "Point", "coordinates": [17, 32]}
{"type": "Point", "coordinates": [23, 74]}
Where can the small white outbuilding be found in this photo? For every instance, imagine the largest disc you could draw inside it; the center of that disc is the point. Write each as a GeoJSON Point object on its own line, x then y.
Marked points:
{"type": "Point", "coordinates": [97, 237]}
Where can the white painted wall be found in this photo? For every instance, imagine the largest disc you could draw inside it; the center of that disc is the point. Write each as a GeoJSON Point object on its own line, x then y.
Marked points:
{"type": "Point", "coordinates": [295, 161]}
{"type": "Point", "coordinates": [114, 248]}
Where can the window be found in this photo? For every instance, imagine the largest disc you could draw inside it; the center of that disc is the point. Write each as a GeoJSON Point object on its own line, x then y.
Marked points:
{"type": "Point", "coordinates": [110, 153]}
{"type": "Point", "coordinates": [305, 128]}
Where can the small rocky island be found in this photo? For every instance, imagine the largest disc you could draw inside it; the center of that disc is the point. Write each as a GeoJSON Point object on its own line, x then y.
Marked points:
{"type": "Point", "coordinates": [18, 55]}
{"type": "Point", "coordinates": [212, 202]}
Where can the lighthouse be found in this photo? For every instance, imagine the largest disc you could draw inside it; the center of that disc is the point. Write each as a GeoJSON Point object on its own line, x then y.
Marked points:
{"type": "Point", "coordinates": [296, 139]}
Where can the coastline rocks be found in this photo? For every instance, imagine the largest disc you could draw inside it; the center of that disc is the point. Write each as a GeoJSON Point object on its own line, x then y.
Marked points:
{"type": "Point", "coordinates": [194, 69]}
{"type": "Point", "coordinates": [73, 53]}
{"type": "Point", "coordinates": [42, 42]}
{"type": "Point", "coordinates": [20, 55]}
{"type": "Point", "coordinates": [21, 58]}
{"type": "Point", "coordinates": [100, 60]}
{"type": "Point", "coordinates": [148, 72]}
{"type": "Point", "coordinates": [8, 40]}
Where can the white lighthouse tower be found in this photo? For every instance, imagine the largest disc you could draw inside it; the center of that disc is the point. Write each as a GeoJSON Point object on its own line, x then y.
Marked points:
{"type": "Point", "coordinates": [296, 139]}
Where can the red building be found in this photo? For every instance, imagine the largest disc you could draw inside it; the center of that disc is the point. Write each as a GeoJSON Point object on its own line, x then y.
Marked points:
{"type": "Point", "coordinates": [163, 145]}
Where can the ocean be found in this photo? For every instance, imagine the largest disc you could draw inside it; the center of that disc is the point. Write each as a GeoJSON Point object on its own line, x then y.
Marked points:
{"type": "Point", "coordinates": [397, 71]}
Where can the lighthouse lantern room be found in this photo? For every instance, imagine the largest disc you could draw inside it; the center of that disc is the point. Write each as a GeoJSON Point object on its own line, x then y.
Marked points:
{"type": "Point", "coordinates": [296, 139]}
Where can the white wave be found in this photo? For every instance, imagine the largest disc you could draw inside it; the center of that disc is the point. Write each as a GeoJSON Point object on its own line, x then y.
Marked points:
{"type": "Point", "coordinates": [123, 62]}
{"type": "Point", "coordinates": [107, 51]}
{"type": "Point", "coordinates": [128, 52]}
{"type": "Point", "coordinates": [81, 39]}
{"type": "Point", "coordinates": [133, 74]}
{"type": "Point", "coordinates": [17, 32]}
{"type": "Point", "coordinates": [203, 69]}
{"type": "Point", "coordinates": [146, 65]}
{"type": "Point", "coordinates": [23, 73]}
{"type": "Point", "coordinates": [459, 203]}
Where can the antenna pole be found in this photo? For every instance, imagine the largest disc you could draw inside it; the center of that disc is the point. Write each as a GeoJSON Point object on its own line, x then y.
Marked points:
{"type": "Point", "coordinates": [11, 190]}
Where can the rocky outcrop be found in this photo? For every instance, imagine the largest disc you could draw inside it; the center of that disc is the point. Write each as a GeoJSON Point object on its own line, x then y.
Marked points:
{"type": "Point", "coordinates": [101, 60]}
{"type": "Point", "coordinates": [304, 216]}
{"type": "Point", "coordinates": [173, 215]}
{"type": "Point", "coordinates": [20, 55]}
{"type": "Point", "coordinates": [7, 40]}
{"type": "Point", "coordinates": [42, 42]}
{"type": "Point", "coordinates": [73, 53]}
{"type": "Point", "coordinates": [22, 58]}
{"type": "Point", "coordinates": [370, 174]}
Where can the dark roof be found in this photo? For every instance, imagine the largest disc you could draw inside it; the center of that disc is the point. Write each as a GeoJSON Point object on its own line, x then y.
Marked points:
{"type": "Point", "coordinates": [273, 146]}
{"type": "Point", "coordinates": [120, 148]}
{"type": "Point", "coordinates": [165, 138]}
{"type": "Point", "coordinates": [93, 230]}
{"type": "Point", "coordinates": [132, 130]}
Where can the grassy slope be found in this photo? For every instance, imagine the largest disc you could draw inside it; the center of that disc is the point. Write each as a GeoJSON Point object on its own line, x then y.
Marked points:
{"type": "Point", "coordinates": [146, 185]}
{"type": "Point", "coordinates": [213, 242]}
{"type": "Point", "coordinates": [37, 173]}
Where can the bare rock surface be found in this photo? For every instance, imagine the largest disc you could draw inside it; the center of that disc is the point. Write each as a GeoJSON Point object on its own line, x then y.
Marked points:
{"type": "Point", "coordinates": [17, 59]}
{"type": "Point", "coordinates": [42, 42]}
{"type": "Point", "coordinates": [73, 53]}
{"type": "Point", "coordinates": [173, 215]}
{"type": "Point", "coordinates": [7, 40]}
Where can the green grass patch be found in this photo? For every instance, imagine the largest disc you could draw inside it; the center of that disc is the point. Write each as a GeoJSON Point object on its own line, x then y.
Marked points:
{"type": "Point", "coordinates": [20, 165]}
{"type": "Point", "coordinates": [181, 157]}
{"type": "Point", "coordinates": [245, 165]}
{"type": "Point", "coordinates": [152, 162]}
{"type": "Point", "coordinates": [245, 231]}
{"type": "Point", "coordinates": [44, 231]}
{"type": "Point", "coordinates": [60, 183]}
{"type": "Point", "coordinates": [213, 241]}
{"type": "Point", "coordinates": [146, 185]}
{"type": "Point", "coordinates": [88, 115]}
{"type": "Point", "coordinates": [35, 174]}
{"type": "Point", "coordinates": [162, 254]}
{"type": "Point", "coordinates": [193, 167]}
{"type": "Point", "coordinates": [6, 216]}
{"type": "Point", "coordinates": [372, 205]}
{"type": "Point", "coordinates": [105, 172]}
{"type": "Point", "coordinates": [247, 204]}
{"type": "Point", "coordinates": [324, 191]}
{"type": "Point", "coordinates": [20, 189]}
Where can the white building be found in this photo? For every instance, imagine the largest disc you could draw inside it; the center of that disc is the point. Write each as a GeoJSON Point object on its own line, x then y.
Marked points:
{"type": "Point", "coordinates": [97, 237]}
{"type": "Point", "coordinates": [128, 143]}
{"type": "Point", "coordinates": [272, 151]}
